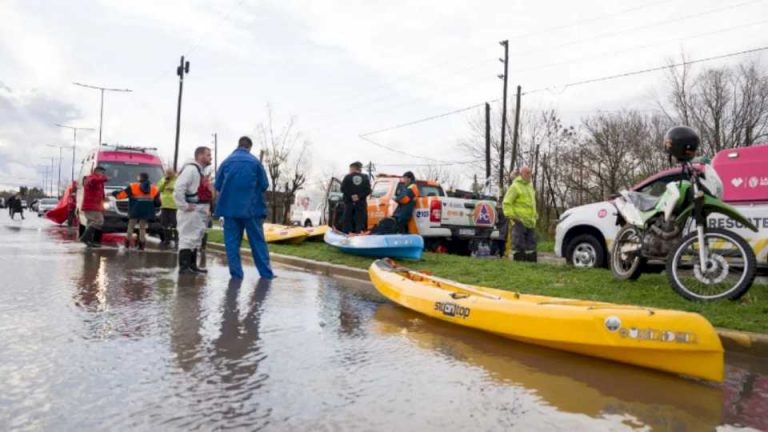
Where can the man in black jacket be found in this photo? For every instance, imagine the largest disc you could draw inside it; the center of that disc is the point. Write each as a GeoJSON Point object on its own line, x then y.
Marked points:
{"type": "Point", "coordinates": [355, 187]}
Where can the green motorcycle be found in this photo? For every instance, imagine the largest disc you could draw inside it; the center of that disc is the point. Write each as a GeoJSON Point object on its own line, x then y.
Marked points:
{"type": "Point", "coordinates": [702, 263]}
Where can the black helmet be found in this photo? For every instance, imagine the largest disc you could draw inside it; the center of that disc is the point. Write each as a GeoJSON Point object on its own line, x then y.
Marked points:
{"type": "Point", "coordinates": [682, 143]}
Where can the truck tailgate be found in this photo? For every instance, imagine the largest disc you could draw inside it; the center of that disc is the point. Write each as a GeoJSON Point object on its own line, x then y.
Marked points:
{"type": "Point", "coordinates": [457, 212]}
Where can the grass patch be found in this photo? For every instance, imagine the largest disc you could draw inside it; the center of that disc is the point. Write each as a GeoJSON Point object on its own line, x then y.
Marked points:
{"type": "Point", "coordinates": [750, 313]}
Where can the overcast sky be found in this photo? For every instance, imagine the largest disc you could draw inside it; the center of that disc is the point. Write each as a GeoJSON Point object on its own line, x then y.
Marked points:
{"type": "Point", "coordinates": [342, 68]}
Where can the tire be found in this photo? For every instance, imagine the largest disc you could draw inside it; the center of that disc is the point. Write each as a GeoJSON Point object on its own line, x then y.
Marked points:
{"type": "Point", "coordinates": [585, 251]}
{"type": "Point", "coordinates": [737, 290]}
{"type": "Point", "coordinates": [619, 269]}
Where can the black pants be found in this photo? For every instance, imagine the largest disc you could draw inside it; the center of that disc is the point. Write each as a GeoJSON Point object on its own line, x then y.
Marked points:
{"type": "Point", "coordinates": [168, 218]}
{"type": "Point", "coordinates": [355, 217]}
{"type": "Point", "coordinates": [523, 238]}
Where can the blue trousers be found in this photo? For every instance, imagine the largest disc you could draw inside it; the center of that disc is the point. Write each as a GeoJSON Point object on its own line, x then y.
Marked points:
{"type": "Point", "coordinates": [233, 237]}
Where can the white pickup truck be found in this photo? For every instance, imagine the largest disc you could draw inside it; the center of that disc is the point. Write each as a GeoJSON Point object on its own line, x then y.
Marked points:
{"type": "Point", "coordinates": [584, 234]}
{"type": "Point", "coordinates": [447, 224]}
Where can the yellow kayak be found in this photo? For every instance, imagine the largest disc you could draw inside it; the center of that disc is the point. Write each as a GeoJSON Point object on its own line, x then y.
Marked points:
{"type": "Point", "coordinates": [316, 233]}
{"type": "Point", "coordinates": [281, 233]}
{"type": "Point", "coordinates": [672, 341]}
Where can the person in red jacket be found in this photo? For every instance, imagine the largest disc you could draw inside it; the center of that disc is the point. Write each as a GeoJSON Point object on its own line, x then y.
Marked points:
{"type": "Point", "coordinates": [93, 205]}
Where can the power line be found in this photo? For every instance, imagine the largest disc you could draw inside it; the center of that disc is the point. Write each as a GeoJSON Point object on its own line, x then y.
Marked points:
{"type": "Point", "coordinates": [572, 84]}
{"type": "Point", "coordinates": [644, 71]}
{"type": "Point", "coordinates": [375, 90]}
{"type": "Point", "coordinates": [394, 150]}
{"type": "Point", "coordinates": [675, 20]}
{"type": "Point", "coordinates": [637, 47]}
{"type": "Point", "coordinates": [426, 119]}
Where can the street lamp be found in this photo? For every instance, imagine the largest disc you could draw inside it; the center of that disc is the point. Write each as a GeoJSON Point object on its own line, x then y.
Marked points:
{"type": "Point", "coordinates": [74, 144]}
{"type": "Point", "coordinates": [101, 109]}
{"type": "Point", "coordinates": [58, 183]}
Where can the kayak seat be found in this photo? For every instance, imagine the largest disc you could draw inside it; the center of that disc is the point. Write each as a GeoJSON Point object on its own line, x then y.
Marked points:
{"type": "Point", "coordinates": [643, 201]}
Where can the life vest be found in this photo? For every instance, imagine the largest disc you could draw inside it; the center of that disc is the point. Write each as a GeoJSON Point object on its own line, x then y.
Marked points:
{"type": "Point", "coordinates": [203, 194]}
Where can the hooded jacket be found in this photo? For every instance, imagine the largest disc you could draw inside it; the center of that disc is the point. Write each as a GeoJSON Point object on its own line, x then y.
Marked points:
{"type": "Point", "coordinates": [520, 203]}
{"type": "Point", "coordinates": [165, 187]}
{"type": "Point", "coordinates": [93, 193]}
{"type": "Point", "coordinates": [143, 198]}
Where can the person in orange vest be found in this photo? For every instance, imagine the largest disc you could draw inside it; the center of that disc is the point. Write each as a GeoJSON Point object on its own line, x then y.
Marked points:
{"type": "Point", "coordinates": [406, 201]}
{"type": "Point", "coordinates": [143, 199]}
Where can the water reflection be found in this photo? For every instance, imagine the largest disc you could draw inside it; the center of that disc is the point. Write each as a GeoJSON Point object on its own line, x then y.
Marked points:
{"type": "Point", "coordinates": [186, 321]}
{"type": "Point", "coordinates": [236, 350]}
{"type": "Point", "coordinates": [571, 383]}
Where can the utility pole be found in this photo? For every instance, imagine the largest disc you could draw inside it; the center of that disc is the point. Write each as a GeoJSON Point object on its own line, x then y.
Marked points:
{"type": "Point", "coordinates": [215, 153]}
{"type": "Point", "coordinates": [74, 143]}
{"type": "Point", "coordinates": [505, 44]}
{"type": "Point", "coordinates": [487, 144]}
{"type": "Point", "coordinates": [181, 70]}
{"type": "Point", "coordinates": [101, 108]}
{"type": "Point", "coordinates": [58, 183]}
{"type": "Point", "coordinates": [515, 133]}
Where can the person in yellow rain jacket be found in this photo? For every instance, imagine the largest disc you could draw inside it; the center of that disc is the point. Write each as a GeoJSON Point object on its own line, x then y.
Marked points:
{"type": "Point", "coordinates": [520, 207]}
{"type": "Point", "coordinates": [168, 207]}
{"type": "Point", "coordinates": [143, 199]}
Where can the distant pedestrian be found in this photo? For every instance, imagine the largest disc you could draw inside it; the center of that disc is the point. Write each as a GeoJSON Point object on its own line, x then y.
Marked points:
{"type": "Point", "coordinates": [192, 194]}
{"type": "Point", "coordinates": [520, 207]}
{"type": "Point", "coordinates": [168, 207]}
{"type": "Point", "coordinates": [12, 205]}
{"type": "Point", "coordinates": [241, 183]}
{"type": "Point", "coordinates": [355, 189]}
{"type": "Point", "coordinates": [92, 205]}
{"type": "Point", "coordinates": [17, 207]}
{"type": "Point", "coordinates": [143, 199]}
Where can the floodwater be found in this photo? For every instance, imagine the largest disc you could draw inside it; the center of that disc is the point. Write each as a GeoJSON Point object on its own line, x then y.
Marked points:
{"type": "Point", "coordinates": [109, 340]}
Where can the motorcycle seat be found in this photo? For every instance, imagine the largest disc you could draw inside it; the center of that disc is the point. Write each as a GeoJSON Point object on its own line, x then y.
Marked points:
{"type": "Point", "coordinates": [643, 201]}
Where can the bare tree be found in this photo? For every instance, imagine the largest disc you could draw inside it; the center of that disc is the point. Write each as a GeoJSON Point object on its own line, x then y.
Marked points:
{"type": "Point", "coordinates": [277, 147]}
{"type": "Point", "coordinates": [297, 177]}
{"type": "Point", "coordinates": [727, 105]}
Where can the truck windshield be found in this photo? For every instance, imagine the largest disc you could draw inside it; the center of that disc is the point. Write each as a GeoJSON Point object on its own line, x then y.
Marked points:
{"type": "Point", "coordinates": [426, 190]}
{"type": "Point", "coordinates": [122, 174]}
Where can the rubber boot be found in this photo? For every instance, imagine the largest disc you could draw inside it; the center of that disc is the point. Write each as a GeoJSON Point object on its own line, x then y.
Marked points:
{"type": "Point", "coordinates": [88, 238]}
{"type": "Point", "coordinates": [97, 237]}
{"type": "Point", "coordinates": [140, 245]}
{"type": "Point", "coordinates": [185, 260]}
{"type": "Point", "coordinates": [204, 242]}
{"type": "Point", "coordinates": [518, 256]}
{"type": "Point", "coordinates": [175, 235]}
{"type": "Point", "coordinates": [531, 257]}
{"type": "Point", "coordinates": [166, 237]}
{"type": "Point", "coordinates": [193, 263]}
{"type": "Point", "coordinates": [127, 242]}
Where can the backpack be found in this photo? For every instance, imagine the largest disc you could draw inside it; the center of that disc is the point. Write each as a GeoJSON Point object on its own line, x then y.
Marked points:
{"type": "Point", "coordinates": [203, 194]}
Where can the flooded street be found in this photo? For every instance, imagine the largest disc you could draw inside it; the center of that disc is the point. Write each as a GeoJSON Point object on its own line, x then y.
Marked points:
{"type": "Point", "coordinates": [115, 340]}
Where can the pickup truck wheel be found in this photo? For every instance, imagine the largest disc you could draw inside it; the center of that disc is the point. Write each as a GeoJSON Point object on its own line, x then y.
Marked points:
{"type": "Point", "coordinates": [585, 251]}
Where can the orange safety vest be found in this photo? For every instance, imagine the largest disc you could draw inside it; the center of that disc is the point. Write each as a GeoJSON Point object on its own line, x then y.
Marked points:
{"type": "Point", "coordinates": [137, 194]}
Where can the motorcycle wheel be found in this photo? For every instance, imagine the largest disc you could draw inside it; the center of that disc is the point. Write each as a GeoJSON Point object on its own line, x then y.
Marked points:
{"type": "Point", "coordinates": [730, 269]}
{"type": "Point", "coordinates": [626, 267]}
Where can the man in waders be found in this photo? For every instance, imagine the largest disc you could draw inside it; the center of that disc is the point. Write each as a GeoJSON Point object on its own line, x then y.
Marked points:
{"type": "Point", "coordinates": [192, 194]}
{"type": "Point", "coordinates": [520, 208]}
{"type": "Point", "coordinates": [355, 189]}
{"type": "Point", "coordinates": [241, 183]}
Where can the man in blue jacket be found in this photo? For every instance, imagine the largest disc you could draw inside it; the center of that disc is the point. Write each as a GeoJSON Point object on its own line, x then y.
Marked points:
{"type": "Point", "coordinates": [241, 183]}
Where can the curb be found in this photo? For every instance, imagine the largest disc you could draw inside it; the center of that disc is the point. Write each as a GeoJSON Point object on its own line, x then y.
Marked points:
{"type": "Point", "coordinates": [754, 344]}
